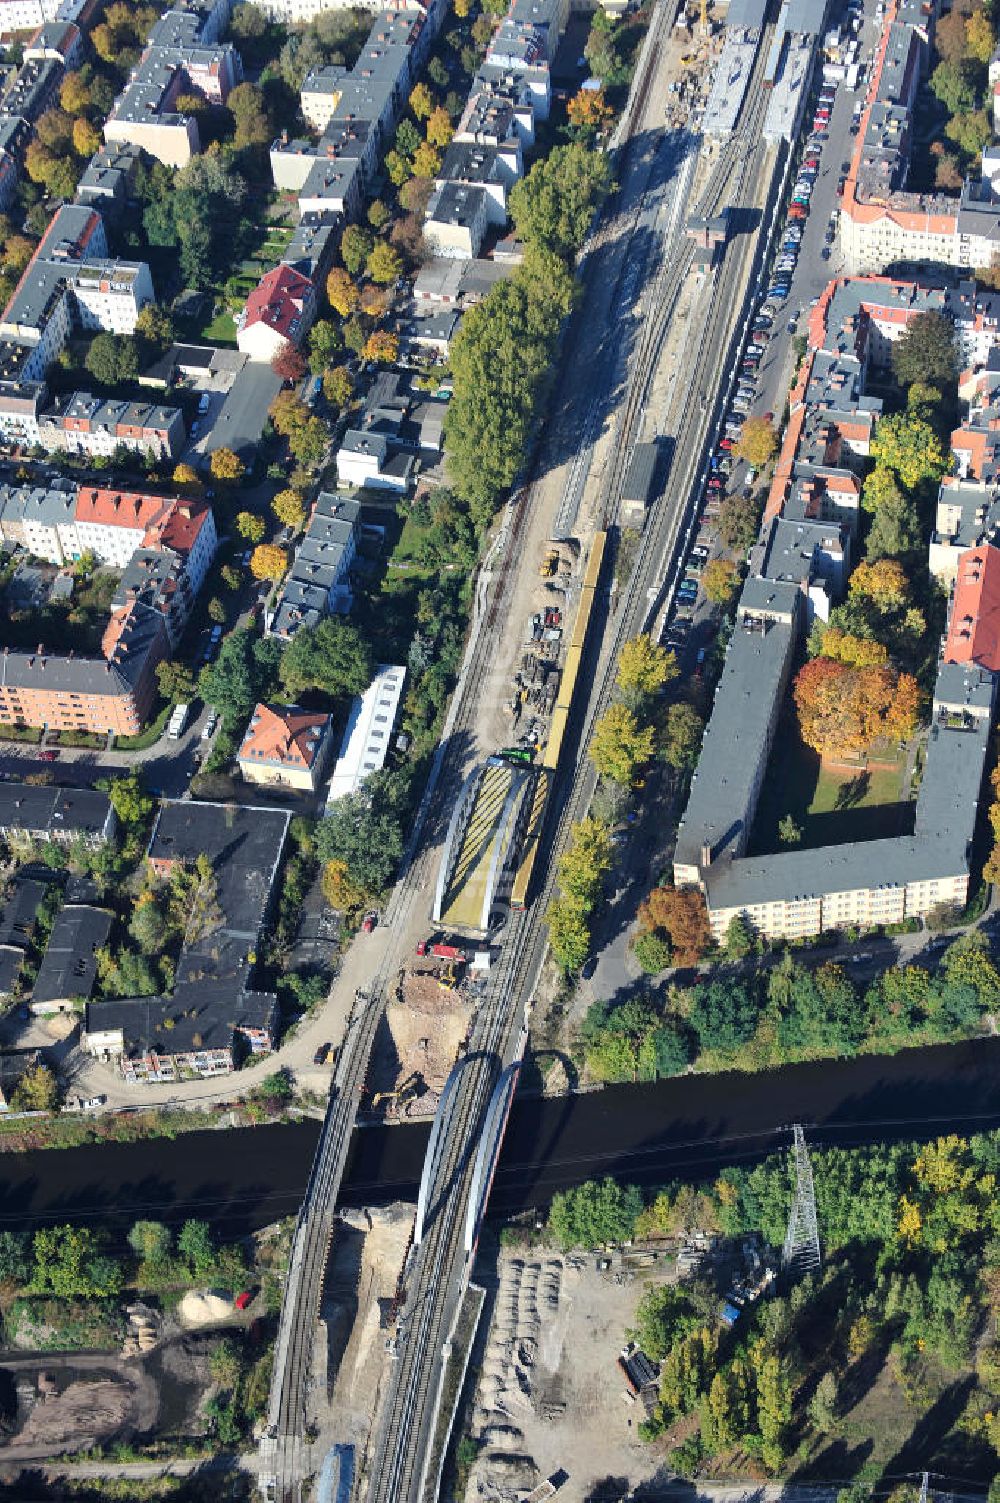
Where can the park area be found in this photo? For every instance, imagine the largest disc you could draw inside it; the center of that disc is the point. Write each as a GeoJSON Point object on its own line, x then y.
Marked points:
{"type": "Point", "coordinates": [809, 800]}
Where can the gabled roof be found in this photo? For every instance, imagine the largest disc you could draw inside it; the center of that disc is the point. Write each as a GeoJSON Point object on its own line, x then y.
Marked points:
{"type": "Point", "coordinates": [284, 736]}
{"type": "Point", "coordinates": [278, 301]}
{"type": "Point", "coordinates": [974, 628]}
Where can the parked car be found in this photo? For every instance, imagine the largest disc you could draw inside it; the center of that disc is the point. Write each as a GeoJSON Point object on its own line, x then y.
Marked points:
{"type": "Point", "coordinates": [369, 922]}
{"type": "Point", "coordinates": [322, 1054]}
{"type": "Point", "coordinates": [244, 1299]}
{"type": "Point", "coordinates": [49, 755]}
{"type": "Point", "coordinates": [215, 635]}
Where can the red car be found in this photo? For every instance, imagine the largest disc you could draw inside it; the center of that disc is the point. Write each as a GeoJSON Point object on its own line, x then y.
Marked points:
{"type": "Point", "coordinates": [244, 1299]}
{"type": "Point", "coordinates": [726, 443]}
{"type": "Point", "coordinates": [48, 756]}
{"type": "Point", "coordinates": [368, 922]}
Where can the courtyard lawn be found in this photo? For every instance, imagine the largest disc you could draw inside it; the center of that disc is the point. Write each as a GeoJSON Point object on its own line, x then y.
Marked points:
{"type": "Point", "coordinates": [220, 330]}
{"type": "Point", "coordinates": [831, 803]}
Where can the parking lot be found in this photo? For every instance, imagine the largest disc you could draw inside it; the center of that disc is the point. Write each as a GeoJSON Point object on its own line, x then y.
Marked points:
{"type": "Point", "coordinates": [806, 257]}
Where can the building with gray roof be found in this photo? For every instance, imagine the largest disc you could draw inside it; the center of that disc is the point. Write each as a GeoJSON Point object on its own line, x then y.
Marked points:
{"type": "Point", "coordinates": [61, 814]}
{"type": "Point", "coordinates": [318, 582]}
{"type": "Point", "coordinates": [69, 966]}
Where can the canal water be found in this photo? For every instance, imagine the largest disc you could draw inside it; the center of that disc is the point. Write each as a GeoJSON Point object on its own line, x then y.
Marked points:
{"type": "Point", "coordinates": [683, 1128]}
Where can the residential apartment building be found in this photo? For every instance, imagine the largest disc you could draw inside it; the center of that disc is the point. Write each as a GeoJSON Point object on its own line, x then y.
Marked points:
{"type": "Point", "coordinates": [65, 815]}
{"type": "Point", "coordinates": [318, 583]}
{"type": "Point", "coordinates": [287, 746]}
{"type": "Point", "coordinates": [278, 314]}
{"type": "Point", "coordinates": [182, 57]}
{"type": "Point", "coordinates": [398, 428]}
{"type": "Point", "coordinates": [368, 733]}
{"type": "Point", "coordinates": [71, 282]}
{"type": "Point", "coordinates": [164, 545]}
{"type": "Point", "coordinates": [881, 222]}
{"type": "Point", "coordinates": [799, 566]}
{"type": "Point", "coordinates": [27, 15]}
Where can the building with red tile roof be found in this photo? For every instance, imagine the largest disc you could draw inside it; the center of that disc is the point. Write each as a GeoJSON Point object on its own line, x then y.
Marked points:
{"type": "Point", "coordinates": [284, 744]}
{"type": "Point", "coordinates": [278, 313]}
{"type": "Point", "coordinates": [974, 626]}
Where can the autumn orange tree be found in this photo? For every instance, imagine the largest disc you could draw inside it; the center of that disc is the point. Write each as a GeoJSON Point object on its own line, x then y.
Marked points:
{"type": "Point", "coordinates": [679, 912]}
{"type": "Point", "coordinates": [342, 293]}
{"type": "Point", "coordinates": [381, 346]}
{"type": "Point", "coordinates": [589, 111]}
{"type": "Point", "coordinates": [843, 710]}
{"type": "Point", "coordinates": [268, 561]}
{"type": "Point", "coordinates": [289, 363]}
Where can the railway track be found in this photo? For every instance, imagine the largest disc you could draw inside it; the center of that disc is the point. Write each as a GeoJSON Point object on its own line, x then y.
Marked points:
{"type": "Point", "coordinates": [402, 1453]}
{"type": "Point", "coordinates": [436, 1278]}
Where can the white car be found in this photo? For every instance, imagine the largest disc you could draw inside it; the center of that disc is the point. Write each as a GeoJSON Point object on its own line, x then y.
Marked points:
{"type": "Point", "coordinates": [208, 729]}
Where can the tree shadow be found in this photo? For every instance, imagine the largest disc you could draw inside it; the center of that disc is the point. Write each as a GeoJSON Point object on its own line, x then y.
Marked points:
{"type": "Point", "coordinates": [862, 1375]}
{"type": "Point", "coordinates": [853, 791]}
{"type": "Point", "coordinates": [930, 1440]}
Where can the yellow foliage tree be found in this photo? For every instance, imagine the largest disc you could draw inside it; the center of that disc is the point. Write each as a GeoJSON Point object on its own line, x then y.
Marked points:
{"type": "Point", "coordinates": [187, 477]}
{"type": "Point", "coordinates": [86, 139]}
{"type": "Point", "coordinates": [250, 526]}
{"type": "Point", "coordinates": [620, 745]}
{"type": "Point", "coordinates": [439, 127]}
{"type": "Point", "coordinates": [589, 110]}
{"type": "Point", "coordinates": [644, 668]}
{"type": "Point", "coordinates": [268, 561]}
{"type": "Point", "coordinates": [227, 466]}
{"type": "Point", "coordinates": [339, 890]}
{"type": "Point", "coordinates": [289, 508]}
{"type": "Point", "coordinates": [421, 101]}
{"type": "Point", "coordinates": [583, 866]}
{"type": "Point", "coordinates": [883, 581]}
{"type": "Point", "coordinates": [426, 161]}
{"type": "Point", "coordinates": [758, 442]}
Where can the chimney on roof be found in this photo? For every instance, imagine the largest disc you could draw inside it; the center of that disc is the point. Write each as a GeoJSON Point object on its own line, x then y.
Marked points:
{"type": "Point", "coordinates": [706, 854]}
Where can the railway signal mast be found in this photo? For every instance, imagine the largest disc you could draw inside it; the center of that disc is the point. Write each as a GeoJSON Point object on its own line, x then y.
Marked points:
{"type": "Point", "coordinates": [801, 1253]}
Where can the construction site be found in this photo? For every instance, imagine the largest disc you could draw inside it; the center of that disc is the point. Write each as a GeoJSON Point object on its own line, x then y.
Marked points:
{"type": "Point", "coordinates": [427, 1015]}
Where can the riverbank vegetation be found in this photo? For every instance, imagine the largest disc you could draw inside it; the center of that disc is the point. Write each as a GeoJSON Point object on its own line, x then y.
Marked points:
{"type": "Point", "coordinates": [884, 1362]}
{"type": "Point", "coordinates": [766, 1016]}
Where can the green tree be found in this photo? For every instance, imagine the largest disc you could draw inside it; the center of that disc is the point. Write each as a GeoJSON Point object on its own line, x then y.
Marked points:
{"type": "Point", "coordinates": [952, 83]}
{"type": "Point", "coordinates": [595, 1213]}
{"type": "Point", "coordinates": [384, 264]}
{"type": "Point", "coordinates": [367, 831]}
{"type": "Point", "coordinates": [36, 1091]}
{"type": "Point", "coordinates": [175, 680]}
{"type": "Point", "coordinates": [740, 938]}
{"type": "Point", "coordinates": [895, 528]}
{"type": "Point", "coordinates": [70, 1262]}
{"type": "Point", "coordinates": [250, 527]}
{"type": "Point", "coordinates": [620, 745]}
{"type": "Point", "coordinates": [333, 656]}
{"type": "Point", "coordinates": [151, 1241]}
{"type": "Point", "coordinates": [553, 206]}
{"type": "Point", "coordinates": [774, 1405]}
{"type": "Point", "coordinates": [15, 1263]}
{"type": "Point", "coordinates": [723, 1014]}
{"type": "Point", "coordinates": [653, 952]}
{"type": "Point", "coordinates": [971, 131]}
{"type": "Point", "coordinates": [154, 329]}
{"type": "Point", "coordinates": [680, 740]}
{"type": "Point", "coordinates": [789, 831]}
{"type": "Point", "coordinates": [112, 359]}
{"type": "Point", "coordinates": [501, 361]}
{"type": "Point", "coordinates": [569, 932]}
{"type": "Point", "coordinates": [148, 925]}
{"type": "Point", "coordinates": [355, 248]}
{"type": "Point", "coordinates": [583, 866]}
{"type": "Point", "coordinates": [926, 351]}
{"type": "Point", "coordinates": [196, 1244]}
{"type": "Point", "coordinates": [216, 610]}
{"type": "Point", "coordinates": [325, 341]}
{"type": "Point", "coordinates": [823, 1404]}
{"type": "Point", "coordinates": [909, 447]}
{"type": "Point", "coordinates": [131, 804]}
{"type": "Point", "coordinates": [243, 673]}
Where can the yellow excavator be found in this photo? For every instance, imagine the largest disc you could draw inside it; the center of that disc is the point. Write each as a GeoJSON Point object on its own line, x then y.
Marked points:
{"type": "Point", "coordinates": [402, 1094]}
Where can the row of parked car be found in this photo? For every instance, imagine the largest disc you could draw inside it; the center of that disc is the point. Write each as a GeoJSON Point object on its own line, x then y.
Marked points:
{"type": "Point", "coordinates": [721, 463]}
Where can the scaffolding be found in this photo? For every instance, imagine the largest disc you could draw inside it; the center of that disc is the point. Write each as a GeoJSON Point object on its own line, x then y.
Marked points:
{"type": "Point", "coordinates": [801, 1252]}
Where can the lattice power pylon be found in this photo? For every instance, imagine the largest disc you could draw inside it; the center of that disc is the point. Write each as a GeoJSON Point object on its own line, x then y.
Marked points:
{"type": "Point", "coordinates": [801, 1253]}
